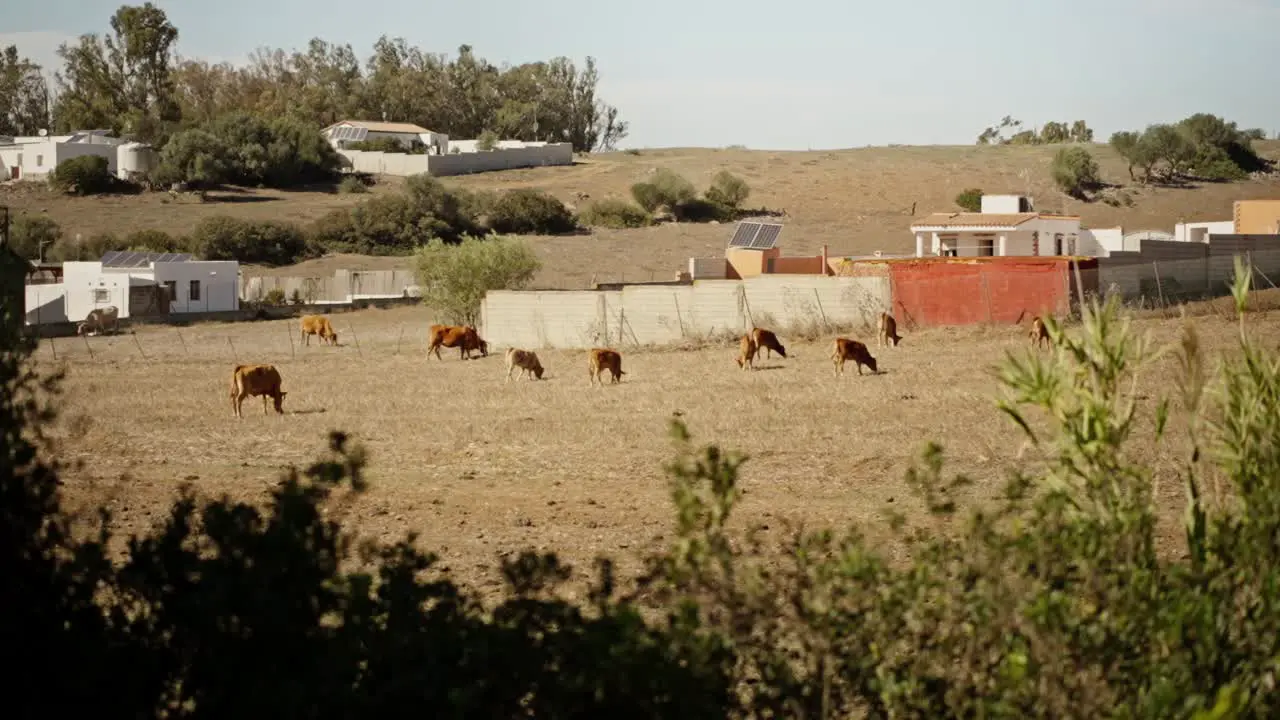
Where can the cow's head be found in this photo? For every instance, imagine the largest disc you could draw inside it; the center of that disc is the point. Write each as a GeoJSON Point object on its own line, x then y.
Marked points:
{"type": "Point", "coordinates": [278, 400]}
{"type": "Point", "coordinates": [537, 369]}
{"type": "Point", "coordinates": [333, 337]}
{"type": "Point", "coordinates": [484, 348]}
{"type": "Point", "coordinates": [871, 363]}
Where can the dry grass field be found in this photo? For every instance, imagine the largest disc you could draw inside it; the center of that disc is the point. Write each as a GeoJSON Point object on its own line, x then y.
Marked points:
{"type": "Point", "coordinates": [479, 467]}
{"type": "Point", "coordinates": [855, 201]}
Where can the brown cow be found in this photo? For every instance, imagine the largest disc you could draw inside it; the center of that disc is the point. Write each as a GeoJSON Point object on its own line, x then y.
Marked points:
{"type": "Point", "coordinates": [766, 340]}
{"type": "Point", "coordinates": [887, 331]}
{"type": "Point", "coordinates": [601, 359]}
{"type": "Point", "coordinates": [747, 349]}
{"type": "Point", "coordinates": [463, 337]}
{"type": "Point", "coordinates": [526, 360]}
{"type": "Point", "coordinates": [846, 349]}
{"type": "Point", "coordinates": [1039, 334]}
{"type": "Point", "coordinates": [256, 380]}
{"type": "Point", "coordinates": [317, 325]}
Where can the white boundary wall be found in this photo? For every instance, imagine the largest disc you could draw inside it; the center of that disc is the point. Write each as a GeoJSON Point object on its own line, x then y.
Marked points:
{"type": "Point", "coordinates": [404, 164]}
{"type": "Point", "coordinates": [654, 315]}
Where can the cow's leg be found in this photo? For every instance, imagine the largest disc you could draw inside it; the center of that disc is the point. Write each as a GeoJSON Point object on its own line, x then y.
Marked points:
{"type": "Point", "coordinates": [266, 404]}
{"type": "Point", "coordinates": [509, 369]}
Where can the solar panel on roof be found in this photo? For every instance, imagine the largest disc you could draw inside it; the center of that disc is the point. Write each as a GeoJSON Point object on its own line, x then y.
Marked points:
{"type": "Point", "coordinates": [127, 259]}
{"type": "Point", "coordinates": [743, 234]}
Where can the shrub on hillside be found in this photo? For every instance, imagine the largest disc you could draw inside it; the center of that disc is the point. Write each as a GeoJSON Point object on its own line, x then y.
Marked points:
{"type": "Point", "coordinates": [155, 241]}
{"type": "Point", "coordinates": [352, 185]}
{"type": "Point", "coordinates": [28, 233]}
{"type": "Point", "coordinates": [614, 213]}
{"type": "Point", "coordinates": [83, 175]}
{"type": "Point", "coordinates": [666, 189]}
{"type": "Point", "coordinates": [970, 200]}
{"type": "Point", "coordinates": [728, 190]}
{"type": "Point", "coordinates": [525, 211]}
{"type": "Point", "coordinates": [455, 278]}
{"type": "Point", "coordinates": [85, 248]}
{"type": "Point", "coordinates": [705, 210]}
{"type": "Point", "coordinates": [263, 242]}
{"type": "Point", "coordinates": [1075, 172]}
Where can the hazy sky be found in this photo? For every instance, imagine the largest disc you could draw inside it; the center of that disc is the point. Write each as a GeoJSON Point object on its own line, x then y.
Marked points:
{"type": "Point", "coordinates": [792, 75]}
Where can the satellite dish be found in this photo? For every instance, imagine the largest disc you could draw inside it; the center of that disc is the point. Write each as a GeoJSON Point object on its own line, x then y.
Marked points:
{"type": "Point", "coordinates": [42, 132]}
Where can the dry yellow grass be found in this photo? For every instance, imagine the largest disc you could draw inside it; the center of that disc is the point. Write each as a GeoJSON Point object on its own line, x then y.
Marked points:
{"type": "Point", "coordinates": [481, 467]}
{"type": "Point", "coordinates": [855, 201]}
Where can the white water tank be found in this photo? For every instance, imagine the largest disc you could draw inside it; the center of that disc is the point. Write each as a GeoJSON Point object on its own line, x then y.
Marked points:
{"type": "Point", "coordinates": [135, 158]}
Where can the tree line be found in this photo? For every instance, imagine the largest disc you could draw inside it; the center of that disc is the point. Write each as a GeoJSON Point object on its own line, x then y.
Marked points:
{"type": "Point", "coordinates": [131, 80]}
{"type": "Point", "coordinates": [1063, 596]}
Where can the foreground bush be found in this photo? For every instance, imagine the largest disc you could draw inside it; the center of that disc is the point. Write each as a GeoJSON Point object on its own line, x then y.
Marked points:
{"type": "Point", "coordinates": [1051, 602]}
{"type": "Point", "coordinates": [455, 278]}
{"type": "Point", "coordinates": [614, 213]}
{"type": "Point", "coordinates": [28, 233]}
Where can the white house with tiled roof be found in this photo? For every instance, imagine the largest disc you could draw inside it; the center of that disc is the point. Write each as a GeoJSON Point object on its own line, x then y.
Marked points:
{"type": "Point", "coordinates": [344, 133]}
{"type": "Point", "coordinates": [1008, 226]}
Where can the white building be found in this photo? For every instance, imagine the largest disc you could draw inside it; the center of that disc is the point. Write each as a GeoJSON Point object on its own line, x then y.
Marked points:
{"type": "Point", "coordinates": [342, 134]}
{"type": "Point", "coordinates": [33, 157]}
{"type": "Point", "coordinates": [1008, 226]}
{"type": "Point", "coordinates": [1200, 231]}
{"type": "Point", "coordinates": [137, 284]}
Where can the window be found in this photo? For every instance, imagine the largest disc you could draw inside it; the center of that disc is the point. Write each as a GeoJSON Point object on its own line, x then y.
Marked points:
{"type": "Point", "coordinates": [101, 296]}
{"type": "Point", "coordinates": [986, 245]}
{"type": "Point", "coordinates": [39, 161]}
{"type": "Point", "coordinates": [171, 288]}
{"type": "Point", "coordinates": [194, 293]}
{"type": "Point", "coordinates": [1057, 243]}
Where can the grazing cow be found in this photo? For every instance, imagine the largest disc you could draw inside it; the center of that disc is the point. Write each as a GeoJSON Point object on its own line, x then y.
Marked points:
{"type": "Point", "coordinates": [766, 340]}
{"type": "Point", "coordinates": [256, 380]}
{"type": "Point", "coordinates": [887, 331]}
{"type": "Point", "coordinates": [317, 325]}
{"type": "Point", "coordinates": [846, 349]}
{"type": "Point", "coordinates": [98, 320]}
{"type": "Point", "coordinates": [463, 337]}
{"type": "Point", "coordinates": [601, 359]}
{"type": "Point", "coordinates": [526, 360]}
{"type": "Point", "coordinates": [747, 349]}
{"type": "Point", "coordinates": [1039, 334]}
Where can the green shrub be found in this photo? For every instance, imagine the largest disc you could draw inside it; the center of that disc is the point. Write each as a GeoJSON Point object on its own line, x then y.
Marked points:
{"type": "Point", "coordinates": [1213, 163]}
{"type": "Point", "coordinates": [352, 185]}
{"type": "Point", "coordinates": [647, 196]}
{"type": "Point", "coordinates": [454, 278]}
{"type": "Point", "coordinates": [154, 241]}
{"type": "Point", "coordinates": [728, 190]}
{"type": "Point", "coordinates": [244, 149]}
{"type": "Point", "coordinates": [970, 200]}
{"type": "Point", "coordinates": [263, 242]}
{"type": "Point", "coordinates": [275, 297]}
{"type": "Point", "coordinates": [83, 175]}
{"type": "Point", "coordinates": [525, 211]}
{"type": "Point", "coordinates": [614, 213]}
{"type": "Point", "coordinates": [1075, 172]}
{"type": "Point", "coordinates": [487, 141]}
{"type": "Point", "coordinates": [28, 233]}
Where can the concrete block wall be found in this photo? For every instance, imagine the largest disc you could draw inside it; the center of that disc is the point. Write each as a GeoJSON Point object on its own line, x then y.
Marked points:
{"type": "Point", "coordinates": [661, 314]}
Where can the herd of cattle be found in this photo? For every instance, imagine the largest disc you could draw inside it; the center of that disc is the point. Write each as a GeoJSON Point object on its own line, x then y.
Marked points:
{"type": "Point", "coordinates": [265, 381]}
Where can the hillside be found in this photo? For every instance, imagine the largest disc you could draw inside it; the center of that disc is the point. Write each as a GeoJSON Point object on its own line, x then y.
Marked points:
{"type": "Point", "coordinates": [855, 201]}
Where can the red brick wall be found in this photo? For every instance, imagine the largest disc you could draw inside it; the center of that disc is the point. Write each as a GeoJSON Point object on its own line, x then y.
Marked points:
{"type": "Point", "coordinates": [967, 291]}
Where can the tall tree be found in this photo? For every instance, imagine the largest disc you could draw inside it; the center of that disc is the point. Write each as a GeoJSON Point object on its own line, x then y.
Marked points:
{"type": "Point", "coordinates": [24, 95]}
{"type": "Point", "coordinates": [123, 81]}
